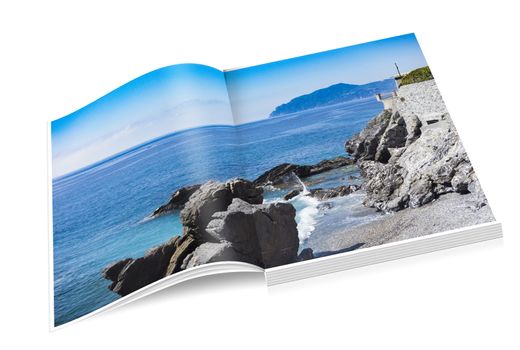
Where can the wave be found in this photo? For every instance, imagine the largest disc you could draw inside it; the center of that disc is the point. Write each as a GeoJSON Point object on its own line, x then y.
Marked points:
{"type": "Point", "coordinates": [306, 217]}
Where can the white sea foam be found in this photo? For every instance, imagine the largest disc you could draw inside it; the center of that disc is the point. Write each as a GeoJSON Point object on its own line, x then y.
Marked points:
{"type": "Point", "coordinates": [146, 219]}
{"type": "Point", "coordinates": [305, 190]}
{"type": "Point", "coordinates": [306, 217]}
{"type": "Point", "coordinates": [271, 188]}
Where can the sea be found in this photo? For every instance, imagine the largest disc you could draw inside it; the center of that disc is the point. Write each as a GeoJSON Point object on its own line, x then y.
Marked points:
{"type": "Point", "coordinates": [101, 212]}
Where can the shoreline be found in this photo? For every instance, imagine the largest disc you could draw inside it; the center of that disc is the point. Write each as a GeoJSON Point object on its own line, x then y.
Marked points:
{"type": "Point", "coordinates": [448, 212]}
{"type": "Point", "coordinates": [412, 166]}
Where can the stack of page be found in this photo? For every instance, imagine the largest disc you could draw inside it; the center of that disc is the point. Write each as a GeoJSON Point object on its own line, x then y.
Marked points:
{"type": "Point", "coordinates": [294, 168]}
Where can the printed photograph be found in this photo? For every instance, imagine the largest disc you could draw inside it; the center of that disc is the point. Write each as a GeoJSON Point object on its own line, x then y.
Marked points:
{"type": "Point", "coordinates": [268, 165]}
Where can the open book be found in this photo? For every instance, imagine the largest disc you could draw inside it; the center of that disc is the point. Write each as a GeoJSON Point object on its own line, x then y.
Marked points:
{"type": "Point", "coordinates": [294, 168]}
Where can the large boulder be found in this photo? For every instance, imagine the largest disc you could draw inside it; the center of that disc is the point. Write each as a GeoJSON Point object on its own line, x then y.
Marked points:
{"type": "Point", "coordinates": [214, 197]}
{"type": "Point", "coordinates": [129, 275]}
{"type": "Point", "coordinates": [246, 190]}
{"type": "Point", "coordinates": [264, 234]}
{"type": "Point", "coordinates": [222, 222]}
{"type": "Point", "coordinates": [239, 188]}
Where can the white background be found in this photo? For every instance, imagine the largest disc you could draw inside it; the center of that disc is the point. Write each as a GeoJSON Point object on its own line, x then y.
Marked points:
{"type": "Point", "coordinates": [58, 56]}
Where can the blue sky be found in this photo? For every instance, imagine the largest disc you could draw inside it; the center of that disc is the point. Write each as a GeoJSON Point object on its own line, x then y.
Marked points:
{"type": "Point", "coordinates": [256, 91]}
{"type": "Point", "coordinates": [190, 95]}
{"type": "Point", "coordinates": [155, 104]}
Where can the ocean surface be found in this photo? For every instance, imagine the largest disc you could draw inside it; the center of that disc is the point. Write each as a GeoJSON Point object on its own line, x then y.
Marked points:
{"type": "Point", "coordinates": [99, 212]}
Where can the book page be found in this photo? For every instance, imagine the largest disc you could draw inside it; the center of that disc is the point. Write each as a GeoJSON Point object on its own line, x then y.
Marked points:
{"type": "Point", "coordinates": [356, 148]}
{"type": "Point", "coordinates": [269, 166]}
{"type": "Point", "coordinates": [123, 168]}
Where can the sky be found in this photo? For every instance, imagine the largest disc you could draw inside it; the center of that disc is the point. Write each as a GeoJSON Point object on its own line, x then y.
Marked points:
{"type": "Point", "coordinates": [158, 103]}
{"type": "Point", "coordinates": [256, 91]}
{"type": "Point", "coordinates": [185, 96]}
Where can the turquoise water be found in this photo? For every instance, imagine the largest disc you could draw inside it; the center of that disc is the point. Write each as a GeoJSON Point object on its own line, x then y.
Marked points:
{"type": "Point", "coordinates": [99, 212]}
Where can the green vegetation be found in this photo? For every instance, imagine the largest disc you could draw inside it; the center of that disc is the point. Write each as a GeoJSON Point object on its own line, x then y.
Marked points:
{"type": "Point", "coordinates": [416, 76]}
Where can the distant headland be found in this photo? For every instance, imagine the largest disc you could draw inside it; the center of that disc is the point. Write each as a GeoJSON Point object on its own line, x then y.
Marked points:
{"type": "Point", "coordinates": [337, 93]}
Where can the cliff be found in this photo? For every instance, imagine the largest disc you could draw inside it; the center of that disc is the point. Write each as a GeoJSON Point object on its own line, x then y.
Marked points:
{"type": "Point", "coordinates": [411, 154]}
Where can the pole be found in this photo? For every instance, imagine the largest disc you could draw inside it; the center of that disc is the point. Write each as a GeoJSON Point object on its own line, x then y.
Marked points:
{"type": "Point", "coordinates": [398, 72]}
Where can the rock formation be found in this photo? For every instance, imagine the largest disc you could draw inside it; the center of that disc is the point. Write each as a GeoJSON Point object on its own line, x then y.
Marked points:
{"type": "Point", "coordinates": [215, 197]}
{"type": "Point", "coordinates": [325, 193]}
{"type": "Point", "coordinates": [129, 274]}
{"type": "Point", "coordinates": [177, 200]}
{"type": "Point", "coordinates": [221, 222]}
{"type": "Point", "coordinates": [387, 132]}
{"type": "Point", "coordinates": [283, 173]}
{"type": "Point", "coordinates": [411, 155]}
{"type": "Point", "coordinates": [262, 234]}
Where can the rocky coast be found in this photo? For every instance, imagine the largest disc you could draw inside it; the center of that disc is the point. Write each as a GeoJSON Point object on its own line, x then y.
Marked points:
{"type": "Point", "coordinates": [413, 167]}
{"type": "Point", "coordinates": [221, 222]}
{"type": "Point", "coordinates": [227, 222]}
{"type": "Point", "coordinates": [416, 170]}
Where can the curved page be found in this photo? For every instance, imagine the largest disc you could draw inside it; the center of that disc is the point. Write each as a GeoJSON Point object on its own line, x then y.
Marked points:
{"type": "Point", "coordinates": [137, 177]}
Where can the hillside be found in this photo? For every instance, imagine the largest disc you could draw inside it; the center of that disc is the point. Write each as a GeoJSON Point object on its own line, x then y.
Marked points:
{"type": "Point", "coordinates": [334, 94]}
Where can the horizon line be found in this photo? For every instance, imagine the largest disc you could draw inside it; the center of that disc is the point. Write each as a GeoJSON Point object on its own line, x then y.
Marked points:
{"type": "Point", "coordinates": [164, 136]}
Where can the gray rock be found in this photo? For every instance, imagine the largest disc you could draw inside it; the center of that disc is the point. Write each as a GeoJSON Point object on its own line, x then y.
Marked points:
{"type": "Point", "coordinates": [383, 136]}
{"type": "Point", "coordinates": [265, 234]}
{"type": "Point", "coordinates": [325, 206]}
{"type": "Point", "coordinates": [329, 164]}
{"type": "Point", "coordinates": [327, 193]}
{"type": "Point", "coordinates": [291, 194]}
{"type": "Point", "coordinates": [364, 145]}
{"type": "Point", "coordinates": [222, 222]}
{"type": "Point", "coordinates": [306, 254]}
{"type": "Point", "coordinates": [246, 190]}
{"type": "Point", "coordinates": [238, 187]}
{"type": "Point", "coordinates": [277, 234]}
{"type": "Point", "coordinates": [416, 160]}
{"type": "Point", "coordinates": [475, 188]}
{"type": "Point", "coordinates": [111, 272]}
{"type": "Point", "coordinates": [214, 197]}
{"type": "Point", "coordinates": [462, 178]}
{"type": "Point", "coordinates": [211, 252]}
{"type": "Point", "coordinates": [381, 184]}
{"type": "Point", "coordinates": [177, 201]}
{"type": "Point", "coordinates": [394, 136]}
{"type": "Point", "coordinates": [183, 247]}
{"type": "Point", "coordinates": [413, 128]}
{"type": "Point", "coordinates": [284, 173]}
{"type": "Point", "coordinates": [140, 272]}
